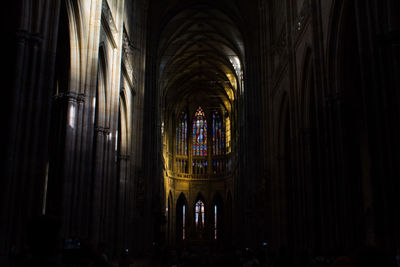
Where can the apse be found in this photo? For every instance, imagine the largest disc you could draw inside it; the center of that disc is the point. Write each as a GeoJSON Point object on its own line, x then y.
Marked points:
{"type": "Point", "coordinates": [200, 69]}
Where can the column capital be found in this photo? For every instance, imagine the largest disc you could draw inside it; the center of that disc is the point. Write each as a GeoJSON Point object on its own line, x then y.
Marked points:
{"type": "Point", "coordinates": [71, 97]}
{"type": "Point", "coordinates": [124, 157]}
{"type": "Point", "coordinates": [102, 130]}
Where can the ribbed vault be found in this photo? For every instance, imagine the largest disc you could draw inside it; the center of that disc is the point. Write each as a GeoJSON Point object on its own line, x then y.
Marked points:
{"type": "Point", "coordinates": [200, 55]}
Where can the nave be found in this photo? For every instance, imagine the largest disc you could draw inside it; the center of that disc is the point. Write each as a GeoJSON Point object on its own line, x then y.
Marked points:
{"type": "Point", "coordinates": [185, 131]}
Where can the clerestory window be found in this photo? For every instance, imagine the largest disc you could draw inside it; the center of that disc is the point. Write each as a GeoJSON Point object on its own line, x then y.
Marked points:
{"type": "Point", "coordinates": [199, 133]}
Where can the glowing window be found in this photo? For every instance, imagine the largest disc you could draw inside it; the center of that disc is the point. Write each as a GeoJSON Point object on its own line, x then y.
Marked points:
{"type": "Point", "coordinates": [215, 222]}
{"type": "Point", "coordinates": [199, 133]}
{"type": "Point", "coordinates": [218, 137]}
{"type": "Point", "coordinates": [199, 214]}
{"type": "Point", "coordinates": [181, 135]}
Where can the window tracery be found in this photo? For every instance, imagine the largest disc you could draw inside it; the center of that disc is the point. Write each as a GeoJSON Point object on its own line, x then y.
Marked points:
{"type": "Point", "coordinates": [199, 214]}
{"type": "Point", "coordinates": [218, 137]}
{"type": "Point", "coordinates": [199, 133]}
{"type": "Point", "coordinates": [181, 135]}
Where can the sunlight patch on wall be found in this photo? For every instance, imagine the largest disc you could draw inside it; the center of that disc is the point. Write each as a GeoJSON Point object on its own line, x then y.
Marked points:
{"type": "Point", "coordinates": [71, 116]}
{"type": "Point", "coordinates": [228, 134]}
{"type": "Point", "coordinates": [235, 61]}
{"type": "Point", "coordinates": [232, 80]}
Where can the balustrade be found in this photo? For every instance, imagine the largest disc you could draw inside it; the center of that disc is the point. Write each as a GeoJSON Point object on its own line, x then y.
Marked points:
{"type": "Point", "coordinates": [202, 167]}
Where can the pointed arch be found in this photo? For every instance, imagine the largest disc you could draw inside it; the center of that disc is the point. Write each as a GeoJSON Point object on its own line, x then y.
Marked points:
{"type": "Point", "coordinates": [170, 202]}
{"type": "Point", "coordinates": [123, 127]}
{"type": "Point", "coordinates": [199, 212]}
{"type": "Point", "coordinates": [218, 216]}
{"type": "Point", "coordinates": [200, 197]}
{"type": "Point", "coordinates": [63, 57]}
{"type": "Point", "coordinates": [336, 27]}
{"type": "Point", "coordinates": [101, 89]}
{"type": "Point", "coordinates": [76, 74]}
{"type": "Point", "coordinates": [307, 86]}
{"type": "Point", "coordinates": [181, 218]}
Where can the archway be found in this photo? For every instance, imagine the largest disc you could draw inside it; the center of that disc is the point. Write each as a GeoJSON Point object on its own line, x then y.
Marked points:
{"type": "Point", "coordinates": [218, 219]}
{"type": "Point", "coordinates": [181, 219]}
{"type": "Point", "coordinates": [200, 226]}
{"type": "Point", "coordinates": [200, 67]}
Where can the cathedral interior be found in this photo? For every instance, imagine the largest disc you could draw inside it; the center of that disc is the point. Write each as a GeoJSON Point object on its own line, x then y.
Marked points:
{"type": "Point", "coordinates": [140, 126]}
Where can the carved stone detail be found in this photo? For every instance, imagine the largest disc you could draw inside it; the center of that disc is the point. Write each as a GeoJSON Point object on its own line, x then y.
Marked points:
{"type": "Point", "coordinates": [71, 97]}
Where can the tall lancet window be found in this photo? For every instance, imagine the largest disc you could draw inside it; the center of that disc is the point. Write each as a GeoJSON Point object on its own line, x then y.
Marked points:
{"type": "Point", "coordinates": [215, 222]}
{"type": "Point", "coordinates": [181, 135]}
{"type": "Point", "coordinates": [184, 222]}
{"type": "Point", "coordinates": [199, 133]}
{"type": "Point", "coordinates": [218, 137]}
{"type": "Point", "coordinates": [199, 214]}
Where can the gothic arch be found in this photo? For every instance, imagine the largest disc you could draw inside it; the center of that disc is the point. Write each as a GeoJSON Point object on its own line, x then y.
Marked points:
{"type": "Point", "coordinates": [101, 91]}
{"type": "Point", "coordinates": [346, 93]}
{"type": "Point", "coordinates": [336, 27]}
{"type": "Point", "coordinates": [125, 98]}
{"type": "Point", "coordinates": [76, 74]}
{"type": "Point", "coordinates": [307, 87]}
{"type": "Point", "coordinates": [63, 57]}
{"type": "Point", "coordinates": [217, 198]}
{"type": "Point", "coordinates": [170, 219]}
{"type": "Point", "coordinates": [123, 129]}
{"type": "Point", "coordinates": [199, 196]}
{"type": "Point", "coordinates": [218, 218]}
{"type": "Point", "coordinates": [182, 212]}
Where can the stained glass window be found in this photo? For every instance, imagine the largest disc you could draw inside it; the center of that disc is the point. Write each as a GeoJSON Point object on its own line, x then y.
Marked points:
{"type": "Point", "coordinates": [181, 135]}
{"type": "Point", "coordinates": [218, 137]}
{"type": "Point", "coordinates": [199, 214]}
{"type": "Point", "coordinates": [199, 133]}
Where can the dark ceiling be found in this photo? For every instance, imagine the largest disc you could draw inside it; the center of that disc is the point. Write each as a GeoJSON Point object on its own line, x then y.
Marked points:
{"type": "Point", "coordinates": [200, 57]}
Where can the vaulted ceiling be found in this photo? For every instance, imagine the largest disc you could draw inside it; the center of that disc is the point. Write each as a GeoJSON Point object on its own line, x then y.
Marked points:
{"type": "Point", "coordinates": [200, 57]}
